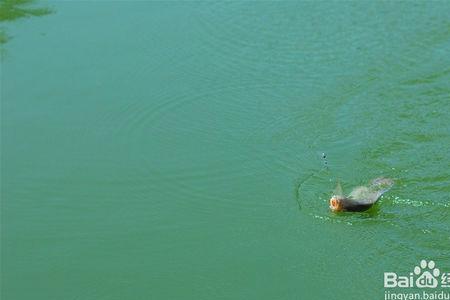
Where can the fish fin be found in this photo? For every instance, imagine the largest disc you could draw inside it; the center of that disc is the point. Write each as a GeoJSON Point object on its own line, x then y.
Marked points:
{"type": "Point", "coordinates": [381, 185]}
{"type": "Point", "coordinates": [338, 189]}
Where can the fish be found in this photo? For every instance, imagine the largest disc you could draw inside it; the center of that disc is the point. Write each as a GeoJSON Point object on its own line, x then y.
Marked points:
{"type": "Point", "coordinates": [361, 198]}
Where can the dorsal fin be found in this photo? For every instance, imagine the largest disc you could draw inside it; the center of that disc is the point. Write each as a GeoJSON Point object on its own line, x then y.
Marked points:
{"type": "Point", "coordinates": [338, 189]}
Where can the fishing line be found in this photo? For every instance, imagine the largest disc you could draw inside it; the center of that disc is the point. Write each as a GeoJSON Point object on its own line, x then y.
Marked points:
{"type": "Point", "coordinates": [325, 161]}
{"type": "Point", "coordinates": [305, 179]}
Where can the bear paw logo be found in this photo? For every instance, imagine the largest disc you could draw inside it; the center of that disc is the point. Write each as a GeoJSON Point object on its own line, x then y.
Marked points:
{"type": "Point", "coordinates": [428, 277]}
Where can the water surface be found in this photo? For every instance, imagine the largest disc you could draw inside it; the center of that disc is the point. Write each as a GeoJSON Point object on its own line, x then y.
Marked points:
{"type": "Point", "coordinates": [174, 150]}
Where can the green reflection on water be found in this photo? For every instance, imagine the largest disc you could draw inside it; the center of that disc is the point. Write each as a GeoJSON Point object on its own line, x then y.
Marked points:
{"type": "Point", "coordinates": [11, 10]}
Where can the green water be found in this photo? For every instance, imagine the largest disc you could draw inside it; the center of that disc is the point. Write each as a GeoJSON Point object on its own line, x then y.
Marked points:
{"type": "Point", "coordinates": [173, 150]}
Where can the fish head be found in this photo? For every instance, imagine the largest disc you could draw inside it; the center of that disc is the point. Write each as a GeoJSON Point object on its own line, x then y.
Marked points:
{"type": "Point", "coordinates": [336, 203]}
